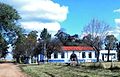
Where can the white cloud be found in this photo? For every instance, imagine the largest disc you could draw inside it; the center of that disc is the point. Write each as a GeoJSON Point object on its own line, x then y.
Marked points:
{"type": "Point", "coordinates": [45, 9]}
{"type": "Point", "coordinates": [116, 31]}
{"type": "Point", "coordinates": [117, 21]}
{"type": "Point", "coordinates": [39, 14]}
{"type": "Point", "coordinates": [53, 26]}
{"type": "Point", "coordinates": [117, 10]}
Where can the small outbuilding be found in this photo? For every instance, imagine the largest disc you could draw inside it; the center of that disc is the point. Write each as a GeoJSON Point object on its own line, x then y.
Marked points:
{"type": "Point", "coordinates": [104, 55]}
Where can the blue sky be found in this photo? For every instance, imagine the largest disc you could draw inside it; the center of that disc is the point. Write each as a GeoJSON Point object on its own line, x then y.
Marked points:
{"type": "Point", "coordinates": [82, 11]}
{"type": "Point", "coordinates": [72, 15]}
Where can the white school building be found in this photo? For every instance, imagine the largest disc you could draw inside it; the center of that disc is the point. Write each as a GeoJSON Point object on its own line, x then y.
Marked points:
{"type": "Point", "coordinates": [84, 54]}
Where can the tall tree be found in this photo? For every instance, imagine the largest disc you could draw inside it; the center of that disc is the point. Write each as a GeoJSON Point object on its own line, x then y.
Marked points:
{"type": "Point", "coordinates": [3, 47]}
{"type": "Point", "coordinates": [27, 43]}
{"type": "Point", "coordinates": [45, 38]}
{"type": "Point", "coordinates": [95, 32]}
{"type": "Point", "coordinates": [54, 44]}
{"type": "Point", "coordinates": [19, 47]}
{"type": "Point", "coordinates": [110, 43]}
{"type": "Point", "coordinates": [31, 42]}
{"type": "Point", "coordinates": [8, 23]}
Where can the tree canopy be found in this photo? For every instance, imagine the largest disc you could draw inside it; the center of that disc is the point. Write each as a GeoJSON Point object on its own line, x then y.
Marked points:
{"type": "Point", "coordinates": [110, 43]}
{"type": "Point", "coordinates": [8, 26]}
{"type": "Point", "coordinates": [8, 17]}
{"type": "Point", "coordinates": [95, 32]}
{"type": "Point", "coordinates": [67, 39]}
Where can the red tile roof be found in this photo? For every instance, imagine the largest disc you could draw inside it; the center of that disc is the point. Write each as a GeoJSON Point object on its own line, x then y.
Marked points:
{"type": "Point", "coordinates": [76, 48]}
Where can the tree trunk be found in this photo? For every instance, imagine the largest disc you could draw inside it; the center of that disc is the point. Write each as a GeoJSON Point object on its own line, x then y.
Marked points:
{"type": "Point", "coordinates": [18, 59]}
{"type": "Point", "coordinates": [97, 51]}
{"type": "Point", "coordinates": [45, 53]}
{"type": "Point", "coordinates": [38, 61]}
{"type": "Point", "coordinates": [98, 54]}
{"type": "Point", "coordinates": [118, 55]}
{"type": "Point", "coordinates": [108, 55]}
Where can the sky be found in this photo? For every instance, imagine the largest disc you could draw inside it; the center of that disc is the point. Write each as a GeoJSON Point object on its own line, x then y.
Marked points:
{"type": "Point", "coordinates": [81, 12]}
{"type": "Point", "coordinates": [72, 15]}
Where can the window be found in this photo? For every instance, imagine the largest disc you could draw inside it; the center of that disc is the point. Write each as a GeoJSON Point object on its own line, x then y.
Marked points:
{"type": "Point", "coordinates": [90, 55]}
{"type": "Point", "coordinates": [83, 55]}
{"type": "Point", "coordinates": [55, 54]}
{"type": "Point", "coordinates": [62, 55]}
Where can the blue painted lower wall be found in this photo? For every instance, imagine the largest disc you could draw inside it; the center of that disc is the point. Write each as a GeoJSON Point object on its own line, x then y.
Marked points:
{"type": "Point", "coordinates": [59, 61]}
{"type": "Point", "coordinates": [64, 61]}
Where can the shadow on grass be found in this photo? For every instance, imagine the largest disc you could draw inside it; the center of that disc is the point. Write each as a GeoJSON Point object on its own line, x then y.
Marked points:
{"type": "Point", "coordinates": [51, 75]}
{"type": "Point", "coordinates": [114, 69]}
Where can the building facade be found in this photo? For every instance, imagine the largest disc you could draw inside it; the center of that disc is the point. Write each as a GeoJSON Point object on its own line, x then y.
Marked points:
{"type": "Point", "coordinates": [84, 54]}
{"type": "Point", "coordinates": [104, 55]}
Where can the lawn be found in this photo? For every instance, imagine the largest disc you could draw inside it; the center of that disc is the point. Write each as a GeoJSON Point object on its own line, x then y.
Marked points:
{"type": "Point", "coordinates": [62, 70]}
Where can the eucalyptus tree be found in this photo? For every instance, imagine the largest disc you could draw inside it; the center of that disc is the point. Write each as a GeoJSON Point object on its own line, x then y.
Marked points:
{"type": "Point", "coordinates": [110, 44]}
{"type": "Point", "coordinates": [24, 46]}
{"type": "Point", "coordinates": [38, 50]}
{"type": "Point", "coordinates": [95, 32]}
{"type": "Point", "coordinates": [30, 44]}
{"type": "Point", "coordinates": [8, 23]}
{"type": "Point", "coordinates": [8, 18]}
{"type": "Point", "coordinates": [45, 38]}
{"type": "Point", "coordinates": [3, 47]}
{"type": "Point", "coordinates": [52, 45]}
{"type": "Point", "coordinates": [19, 47]}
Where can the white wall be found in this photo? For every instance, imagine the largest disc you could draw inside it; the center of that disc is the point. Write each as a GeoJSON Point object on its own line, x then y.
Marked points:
{"type": "Point", "coordinates": [110, 56]}
{"type": "Point", "coordinates": [78, 53]}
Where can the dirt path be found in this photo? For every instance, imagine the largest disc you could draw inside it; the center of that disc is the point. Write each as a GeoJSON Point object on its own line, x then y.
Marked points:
{"type": "Point", "coordinates": [10, 70]}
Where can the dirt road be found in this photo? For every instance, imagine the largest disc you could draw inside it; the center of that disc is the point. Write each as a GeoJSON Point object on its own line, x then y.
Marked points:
{"type": "Point", "coordinates": [10, 70]}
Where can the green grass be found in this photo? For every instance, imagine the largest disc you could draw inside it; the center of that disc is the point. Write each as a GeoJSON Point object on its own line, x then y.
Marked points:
{"type": "Point", "coordinates": [62, 70]}
{"type": "Point", "coordinates": [5, 61]}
